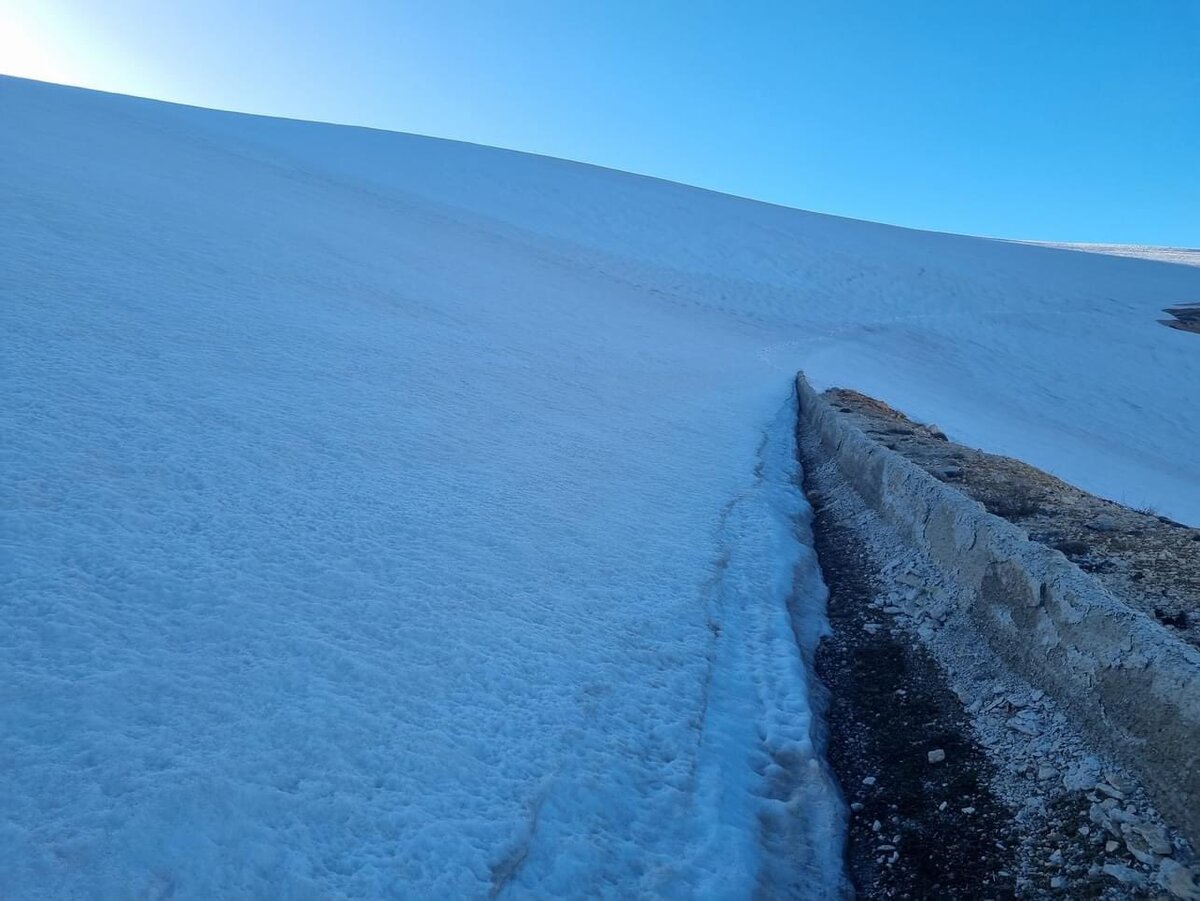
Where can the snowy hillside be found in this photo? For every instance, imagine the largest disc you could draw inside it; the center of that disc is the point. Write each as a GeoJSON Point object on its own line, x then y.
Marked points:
{"type": "Point", "coordinates": [390, 516]}
{"type": "Point", "coordinates": [1187, 256]}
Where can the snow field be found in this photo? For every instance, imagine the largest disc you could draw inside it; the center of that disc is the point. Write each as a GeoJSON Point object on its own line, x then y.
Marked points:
{"type": "Point", "coordinates": [386, 516]}
{"type": "Point", "coordinates": [358, 551]}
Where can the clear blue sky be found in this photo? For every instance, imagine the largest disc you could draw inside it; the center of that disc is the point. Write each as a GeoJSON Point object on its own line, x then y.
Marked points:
{"type": "Point", "coordinates": [1055, 120]}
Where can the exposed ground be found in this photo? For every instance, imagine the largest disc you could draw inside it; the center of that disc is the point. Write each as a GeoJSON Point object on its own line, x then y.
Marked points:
{"type": "Point", "coordinates": [1149, 561]}
{"type": "Point", "coordinates": [1020, 806]}
{"type": "Point", "coordinates": [910, 834]}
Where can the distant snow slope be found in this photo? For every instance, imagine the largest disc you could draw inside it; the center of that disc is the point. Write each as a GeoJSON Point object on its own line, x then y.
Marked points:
{"type": "Point", "coordinates": [1188, 256]}
{"type": "Point", "coordinates": [389, 516]}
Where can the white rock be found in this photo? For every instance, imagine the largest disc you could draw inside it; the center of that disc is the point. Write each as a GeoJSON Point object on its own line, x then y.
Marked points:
{"type": "Point", "coordinates": [1026, 722]}
{"type": "Point", "coordinates": [869, 780]}
{"type": "Point", "coordinates": [1046, 772]}
{"type": "Point", "coordinates": [1123, 874]}
{"type": "Point", "coordinates": [1117, 815]}
{"type": "Point", "coordinates": [1083, 775]}
{"type": "Point", "coordinates": [1099, 816]}
{"type": "Point", "coordinates": [1117, 781]}
{"type": "Point", "coordinates": [1179, 880]}
{"type": "Point", "coordinates": [936, 756]}
{"type": "Point", "coordinates": [1156, 838]}
{"type": "Point", "coordinates": [1140, 848]}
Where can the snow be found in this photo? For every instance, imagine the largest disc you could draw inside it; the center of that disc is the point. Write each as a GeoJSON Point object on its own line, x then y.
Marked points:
{"type": "Point", "coordinates": [1188, 256]}
{"type": "Point", "coordinates": [386, 516]}
{"type": "Point", "coordinates": [359, 549]}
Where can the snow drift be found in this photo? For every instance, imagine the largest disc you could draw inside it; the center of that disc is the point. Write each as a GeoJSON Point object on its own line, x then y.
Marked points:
{"type": "Point", "coordinates": [385, 515]}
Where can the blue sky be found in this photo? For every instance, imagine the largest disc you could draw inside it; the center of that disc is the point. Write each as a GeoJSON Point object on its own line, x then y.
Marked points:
{"type": "Point", "coordinates": [1073, 121]}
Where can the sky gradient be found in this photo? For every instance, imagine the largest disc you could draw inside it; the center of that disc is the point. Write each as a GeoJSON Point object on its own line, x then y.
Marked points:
{"type": "Point", "coordinates": [1066, 121]}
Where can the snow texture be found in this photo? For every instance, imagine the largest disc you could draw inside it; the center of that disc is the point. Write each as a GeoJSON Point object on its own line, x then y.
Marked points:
{"type": "Point", "coordinates": [385, 516]}
{"type": "Point", "coordinates": [358, 545]}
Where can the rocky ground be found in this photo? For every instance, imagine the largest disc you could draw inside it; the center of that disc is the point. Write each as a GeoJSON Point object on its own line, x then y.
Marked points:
{"type": "Point", "coordinates": [964, 780]}
{"type": "Point", "coordinates": [924, 822]}
{"type": "Point", "coordinates": [1150, 562]}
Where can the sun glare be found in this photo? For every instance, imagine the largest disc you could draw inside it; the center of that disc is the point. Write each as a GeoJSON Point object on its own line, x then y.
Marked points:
{"type": "Point", "coordinates": [27, 48]}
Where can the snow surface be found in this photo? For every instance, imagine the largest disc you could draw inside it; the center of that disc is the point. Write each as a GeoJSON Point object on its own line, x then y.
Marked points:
{"type": "Point", "coordinates": [358, 546]}
{"type": "Point", "coordinates": [385, 516]}
{"type": "Point", "coordinates": [1188, 256]}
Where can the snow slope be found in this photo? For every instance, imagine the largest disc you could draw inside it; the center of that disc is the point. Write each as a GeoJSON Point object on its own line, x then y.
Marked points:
{"type": "Point", "coordinates": [390, 516]}
{"type": "Point", "coordinates": [1048, 354]}
{"type": "Point", "coordinates": [1187, 256]}
{"type": "Point", "coordinates": [358, 546]}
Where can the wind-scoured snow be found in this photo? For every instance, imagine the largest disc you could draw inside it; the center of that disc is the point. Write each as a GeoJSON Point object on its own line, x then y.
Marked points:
{"type": "Point", "coordinates": [385, 516]}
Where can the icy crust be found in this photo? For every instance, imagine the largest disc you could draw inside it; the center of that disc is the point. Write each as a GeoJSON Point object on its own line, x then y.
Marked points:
{"type": "Point", "coordinates": [355, 549]}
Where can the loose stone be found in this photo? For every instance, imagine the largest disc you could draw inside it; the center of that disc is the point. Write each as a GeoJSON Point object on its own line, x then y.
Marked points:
{"type": "Point", "coordinates": [1178, 880]}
